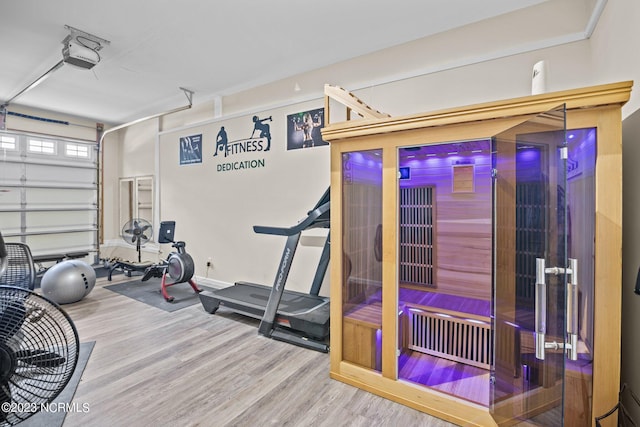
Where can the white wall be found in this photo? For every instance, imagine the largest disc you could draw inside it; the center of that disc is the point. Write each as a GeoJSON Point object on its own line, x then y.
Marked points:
{"type": "Point", "coordinates": [110, 172]}
{"type": "Point", "coordinates": [613, 46]}
{"type": "Point", "coordinates": [507, 45]}
{"type": "Point", "coordinates": [215, 210]}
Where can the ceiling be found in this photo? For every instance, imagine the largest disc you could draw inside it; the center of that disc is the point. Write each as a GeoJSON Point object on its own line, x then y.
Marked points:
{"type": "Point", "coordinates": [213, 48]}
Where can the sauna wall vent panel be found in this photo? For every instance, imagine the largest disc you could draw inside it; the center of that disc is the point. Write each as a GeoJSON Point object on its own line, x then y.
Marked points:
{"type": "Point", "coordinates": [417, 236]}
{"type": "Point", "coordinates": [531, 228]}
{"type": "Point", "coordinates": [462, 340]}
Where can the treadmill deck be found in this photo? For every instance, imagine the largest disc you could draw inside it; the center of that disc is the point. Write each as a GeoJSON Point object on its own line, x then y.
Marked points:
{"type": "Point", "coordinates": [297, 310]}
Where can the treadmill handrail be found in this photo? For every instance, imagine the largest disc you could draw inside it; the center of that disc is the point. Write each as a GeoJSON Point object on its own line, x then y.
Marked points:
{"type": "Point", "coordinates": [305, 224]}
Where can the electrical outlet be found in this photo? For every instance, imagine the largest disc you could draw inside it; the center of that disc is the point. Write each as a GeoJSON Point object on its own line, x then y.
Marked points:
{"type": "Point", "coordinates": [208, 262]}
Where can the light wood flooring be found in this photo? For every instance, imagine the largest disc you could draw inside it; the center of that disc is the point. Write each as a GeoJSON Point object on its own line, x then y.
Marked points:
{"type": "Point", "coordinates": [457, 379]}
{"type": "Point", "coordinates": [189, 368]}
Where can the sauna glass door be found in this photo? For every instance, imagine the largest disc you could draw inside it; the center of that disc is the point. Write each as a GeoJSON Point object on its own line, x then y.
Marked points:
{"type": "Point", "coordinates": [530, 267]}
{"type": "Point", "coordinates": [444, 267]}
{"type": "Point", "coordinates": [362, 258]}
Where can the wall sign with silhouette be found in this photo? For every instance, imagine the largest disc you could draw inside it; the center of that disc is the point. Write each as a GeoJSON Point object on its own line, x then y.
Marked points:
{"type": "Point", "coordinates": [191, 149]}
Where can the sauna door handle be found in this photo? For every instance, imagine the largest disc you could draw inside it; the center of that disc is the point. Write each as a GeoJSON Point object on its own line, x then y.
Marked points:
{"type": "Point", "coordinates": [540, 309]}
{"type": "Point", "coordinates": [571, 346]}
{"type": "Point", "coordinates": [572, 310]}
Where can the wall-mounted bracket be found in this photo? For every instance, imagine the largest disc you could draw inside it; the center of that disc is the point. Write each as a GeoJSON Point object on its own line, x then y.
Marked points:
{"type": "Point", "coordinates": [189, 94]}
{"type": "Point", "coordinates": [74, 33]}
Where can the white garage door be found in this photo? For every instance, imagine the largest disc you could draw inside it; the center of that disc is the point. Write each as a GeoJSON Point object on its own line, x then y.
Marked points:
{"type": "Point", "coordinates": [49, 193]}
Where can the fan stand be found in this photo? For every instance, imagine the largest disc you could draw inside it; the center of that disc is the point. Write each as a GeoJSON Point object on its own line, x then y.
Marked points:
{"type": "Point", "coordinates": [139, 249]}
{"type": "Point", "coordinates": [136, 228]}
{"type": "Point", "coordinates": [129, 267]}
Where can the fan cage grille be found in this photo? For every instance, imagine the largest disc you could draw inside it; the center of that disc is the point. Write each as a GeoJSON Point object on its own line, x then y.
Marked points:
{"type": "Point", "coordinates": [137, 230]}
{"type": "Point", "coordinates": [44, 345]}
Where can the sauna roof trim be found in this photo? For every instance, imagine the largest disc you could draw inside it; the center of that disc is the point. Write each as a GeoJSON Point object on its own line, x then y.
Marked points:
{"type": "Point", "coordinates": [608, 94]}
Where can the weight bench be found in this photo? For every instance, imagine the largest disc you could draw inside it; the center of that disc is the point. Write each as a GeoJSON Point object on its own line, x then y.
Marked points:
{"type": "Point", "coordinates": [128, 267]}
{"type": "Point", "coordinates": [40, 259]}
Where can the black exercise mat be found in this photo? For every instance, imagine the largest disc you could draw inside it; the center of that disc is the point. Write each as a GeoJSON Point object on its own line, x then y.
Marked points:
{"type": "Point", "coordinates": [55, 418]}
{"type": "Point", "coordinates": [149, 293]}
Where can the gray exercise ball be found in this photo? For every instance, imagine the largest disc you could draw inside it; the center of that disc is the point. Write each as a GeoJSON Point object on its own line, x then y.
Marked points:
{"type": "Point", "coordinates": [68, 281]}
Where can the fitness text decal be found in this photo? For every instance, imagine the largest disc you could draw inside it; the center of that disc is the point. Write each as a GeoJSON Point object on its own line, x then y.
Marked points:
{"type": "Point", "coordinates": [247, 164]}
{"type": "Point", "coordinates": [258, 142]}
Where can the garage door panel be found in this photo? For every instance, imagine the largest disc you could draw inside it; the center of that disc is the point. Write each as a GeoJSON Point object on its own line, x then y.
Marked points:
{"type": "Point", "coordinates": [11, 173]}
{"type": "Point", "coordinates": [9, 197]}
{"type": "Point", "coordinates": [61, 175]}
{"type": "Point", "coordinates": [71, 220]}
{"type": "Point", "coordinates": [9, 222]}
{"type": "Point", "coordinates": [49, 193]}
{"type": "Point", "coordinates": [43, 197]}
{"type": "Point", "coordinates": [68, 242]}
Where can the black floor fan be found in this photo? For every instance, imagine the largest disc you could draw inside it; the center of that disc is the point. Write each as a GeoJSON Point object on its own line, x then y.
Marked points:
{"type": "Point", "coordinates": [137, 232]}
{"type": "Point", "coordinates": [39, 349]}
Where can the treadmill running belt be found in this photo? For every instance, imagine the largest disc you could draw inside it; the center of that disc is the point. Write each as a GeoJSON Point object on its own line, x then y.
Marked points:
{"type": "Point", "coordinates": [257, 296]}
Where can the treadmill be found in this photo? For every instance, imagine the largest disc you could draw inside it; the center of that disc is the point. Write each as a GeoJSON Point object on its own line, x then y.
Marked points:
{"type": "Point", "coordinates": [295, 317]}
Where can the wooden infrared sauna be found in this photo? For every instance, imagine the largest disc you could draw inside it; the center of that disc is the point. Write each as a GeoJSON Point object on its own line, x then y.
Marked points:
{"type": "Point", "coordinates": [476, 256]}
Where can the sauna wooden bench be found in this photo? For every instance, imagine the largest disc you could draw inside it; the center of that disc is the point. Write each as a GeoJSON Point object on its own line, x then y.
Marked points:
{"type": "Point", "coordinates": [362, 323]}
{"type": "Point", "coordinates": [359, 331]}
